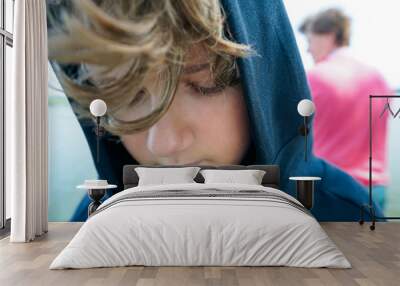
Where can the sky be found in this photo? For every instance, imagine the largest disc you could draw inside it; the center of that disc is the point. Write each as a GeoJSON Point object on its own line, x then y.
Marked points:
{"type": "Point", "coordinates": [375, 31]}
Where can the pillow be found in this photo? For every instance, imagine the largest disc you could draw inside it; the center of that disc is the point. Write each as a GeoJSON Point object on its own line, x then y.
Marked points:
{"type": "Point", "coordinates": [248, 177]}
{"type": "Point", "coordinates": [162, 176]}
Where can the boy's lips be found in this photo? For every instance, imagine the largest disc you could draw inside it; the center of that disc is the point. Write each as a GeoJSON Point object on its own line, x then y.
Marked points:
{"type": "Point", "coordinates": [193, 163]}
{"type": "Point", "coordinates": [186, 163]}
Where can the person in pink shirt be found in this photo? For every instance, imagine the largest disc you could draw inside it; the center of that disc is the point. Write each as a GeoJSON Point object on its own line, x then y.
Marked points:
{"type": "Point", "coordinates": [340, 87]}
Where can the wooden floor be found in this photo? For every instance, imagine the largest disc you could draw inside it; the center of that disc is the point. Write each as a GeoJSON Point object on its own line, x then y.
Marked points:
{"type": "Point", "coordinates": [374, 255]}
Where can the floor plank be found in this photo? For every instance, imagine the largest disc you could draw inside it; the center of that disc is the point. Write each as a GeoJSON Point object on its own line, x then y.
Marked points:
{"type": "Point", "coordinates": [374, 255]}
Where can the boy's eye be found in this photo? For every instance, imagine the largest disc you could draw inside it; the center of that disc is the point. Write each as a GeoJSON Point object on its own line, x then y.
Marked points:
{"type": "Point", "coordinates": [205, 90]}
{"type": "Point", "coordinates": [138, 98]}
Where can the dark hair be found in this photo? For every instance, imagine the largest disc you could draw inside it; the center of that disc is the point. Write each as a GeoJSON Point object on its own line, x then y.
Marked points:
{"type": "Point", "coordinates": [327, 22]}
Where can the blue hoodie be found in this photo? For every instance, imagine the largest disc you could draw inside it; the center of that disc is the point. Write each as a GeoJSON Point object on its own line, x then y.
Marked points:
{"type": "Point", "coordinates": [273, 82]}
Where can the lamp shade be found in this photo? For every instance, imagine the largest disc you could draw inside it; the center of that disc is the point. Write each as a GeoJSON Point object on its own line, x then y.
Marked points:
{"type": "Point", "coordinates": [306, 107]}
{"type": "Point", "coordinates": [98, 107]}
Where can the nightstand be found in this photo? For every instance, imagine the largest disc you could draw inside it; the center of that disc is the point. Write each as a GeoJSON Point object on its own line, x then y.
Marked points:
{"type": "Point", "coordinates": [305, 190]}
{"type": "Point", "coordinates": [96, 190]}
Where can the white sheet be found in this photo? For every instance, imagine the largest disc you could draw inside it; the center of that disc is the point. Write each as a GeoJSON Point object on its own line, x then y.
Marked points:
{"type": "Point", "coordinates": [200, 231]}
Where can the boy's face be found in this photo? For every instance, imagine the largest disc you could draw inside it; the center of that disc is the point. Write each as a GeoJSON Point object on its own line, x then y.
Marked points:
{"type": "Point", "coordinates": [203, 125]}
{"type": "Point", "coordinates": [320, 45]}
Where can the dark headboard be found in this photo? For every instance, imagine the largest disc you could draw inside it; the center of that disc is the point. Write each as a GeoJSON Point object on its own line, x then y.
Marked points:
{"type": "Point", "coordinates": [271, 177]}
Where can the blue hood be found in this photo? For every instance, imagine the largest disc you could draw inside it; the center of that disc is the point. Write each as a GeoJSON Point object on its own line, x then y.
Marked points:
{"type": "Point", "coordinates": [273, 82]}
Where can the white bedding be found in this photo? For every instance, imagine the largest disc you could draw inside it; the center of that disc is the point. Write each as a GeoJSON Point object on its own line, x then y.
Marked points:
{"type": "Point", "coordinates": [182, 231]}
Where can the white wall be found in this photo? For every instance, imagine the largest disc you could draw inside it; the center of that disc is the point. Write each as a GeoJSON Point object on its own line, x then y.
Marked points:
{"type": "Point", "coordinates": [375, 31]}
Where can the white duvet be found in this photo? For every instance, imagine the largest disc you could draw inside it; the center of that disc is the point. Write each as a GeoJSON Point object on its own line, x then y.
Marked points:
{"type": "Point", "coordinates": [200, 231]}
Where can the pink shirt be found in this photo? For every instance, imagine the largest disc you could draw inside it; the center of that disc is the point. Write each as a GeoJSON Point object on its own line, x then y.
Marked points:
{"type": "Point", "coordinates": [340, 87]}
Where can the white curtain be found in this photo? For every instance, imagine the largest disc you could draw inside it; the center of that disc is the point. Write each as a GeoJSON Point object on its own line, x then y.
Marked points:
{"type": "Point", "coordinates": [26, 123]}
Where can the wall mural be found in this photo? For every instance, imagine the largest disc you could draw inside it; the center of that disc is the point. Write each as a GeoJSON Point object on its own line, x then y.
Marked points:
{"type": "Point", "coordinates": [179, 91]}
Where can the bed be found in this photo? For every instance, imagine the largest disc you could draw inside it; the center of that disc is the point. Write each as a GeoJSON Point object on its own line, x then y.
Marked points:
{"type": "Point", "coordinates": [201, 224]}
